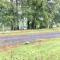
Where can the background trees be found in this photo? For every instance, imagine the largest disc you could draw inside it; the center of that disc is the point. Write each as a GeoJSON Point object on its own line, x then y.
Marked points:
{"type": "Point", "coordinates": [37, 13]}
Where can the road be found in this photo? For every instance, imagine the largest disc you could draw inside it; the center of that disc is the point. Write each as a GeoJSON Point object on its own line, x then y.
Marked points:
{"type": "Point", "coordinates": [12, 40]}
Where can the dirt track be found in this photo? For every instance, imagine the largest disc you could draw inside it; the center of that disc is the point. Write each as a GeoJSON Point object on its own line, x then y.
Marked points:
{"type": "Point", "coordinates": [23, 38]}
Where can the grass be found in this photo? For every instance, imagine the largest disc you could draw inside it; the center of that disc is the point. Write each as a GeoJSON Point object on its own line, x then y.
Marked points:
{"type": "Point", "coordinates": [48, 49]}
{"type": "Point", "coordinates": [27, 32]}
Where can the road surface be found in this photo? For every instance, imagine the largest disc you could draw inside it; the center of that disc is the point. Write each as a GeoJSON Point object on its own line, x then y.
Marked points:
{"type": "Point", "coordinates": [12, 40]}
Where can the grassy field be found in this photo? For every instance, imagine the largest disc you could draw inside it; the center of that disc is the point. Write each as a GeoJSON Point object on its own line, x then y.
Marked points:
{"type": "Point", "coordinates": [27, 32]}
{"type": "Point", "coordinates": [48, 49]}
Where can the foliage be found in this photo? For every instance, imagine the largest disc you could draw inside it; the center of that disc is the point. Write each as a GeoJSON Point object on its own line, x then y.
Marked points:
{"type": "Point", "coordinates": [39, 13]}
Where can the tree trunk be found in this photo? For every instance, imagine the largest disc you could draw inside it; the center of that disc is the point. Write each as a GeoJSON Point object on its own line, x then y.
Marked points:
{"type": "Point", "coordinates": [28, 25]}
{"type": "Point", "coordinates": [33, 25]}
{"type": "Point", "coordinates": [3, 28]}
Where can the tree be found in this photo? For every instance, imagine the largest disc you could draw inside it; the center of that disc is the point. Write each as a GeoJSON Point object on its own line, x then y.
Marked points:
{"type": "Point", "coordinates": [7, 14]}
{"type": "Point", "coordinates": [36, 9]}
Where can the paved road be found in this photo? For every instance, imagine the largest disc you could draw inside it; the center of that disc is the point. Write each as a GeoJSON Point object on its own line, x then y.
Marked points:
{"type": "Point", "coordinates": [23, 38]}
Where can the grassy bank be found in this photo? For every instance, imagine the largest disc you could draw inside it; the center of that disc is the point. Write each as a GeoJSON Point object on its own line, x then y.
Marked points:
{"type": "Point", "coordinates": [39, 50]}
{"type": "Point", "coordinates": [27, 32]}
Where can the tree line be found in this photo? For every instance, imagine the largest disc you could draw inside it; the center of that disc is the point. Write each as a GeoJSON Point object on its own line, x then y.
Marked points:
{"type": "Point", "coordinates": [39, 13]}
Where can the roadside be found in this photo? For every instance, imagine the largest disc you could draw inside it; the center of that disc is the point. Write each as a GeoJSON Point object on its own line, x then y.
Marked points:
{"type": "Point", "coordinates": [28, 32]}
{"type": "Point", "coordinates": [48, 49]}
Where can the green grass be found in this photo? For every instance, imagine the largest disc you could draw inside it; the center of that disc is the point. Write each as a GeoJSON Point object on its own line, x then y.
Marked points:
{"type": "Point", "coordinates": [39, 50]}
{"type": "Point", "coordinates": [28, 32]}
